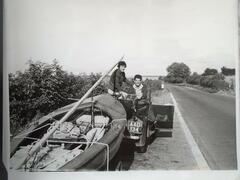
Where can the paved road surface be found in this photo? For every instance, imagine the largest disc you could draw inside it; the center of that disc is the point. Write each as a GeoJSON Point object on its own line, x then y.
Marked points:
{"type": "Point", "coordinates": [211, 119]}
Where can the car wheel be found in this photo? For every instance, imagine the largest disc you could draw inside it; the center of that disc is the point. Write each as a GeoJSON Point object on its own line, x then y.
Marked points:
{"type": "Point", "coordinates": [142, 149]}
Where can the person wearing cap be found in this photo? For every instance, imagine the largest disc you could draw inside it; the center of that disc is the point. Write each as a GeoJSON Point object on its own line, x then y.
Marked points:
{"type": "Point", "coordinates": [117, 79]}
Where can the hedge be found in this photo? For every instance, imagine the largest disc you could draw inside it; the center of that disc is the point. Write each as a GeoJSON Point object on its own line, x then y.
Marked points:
{"type": "Point", "coordinates": [42, 88]}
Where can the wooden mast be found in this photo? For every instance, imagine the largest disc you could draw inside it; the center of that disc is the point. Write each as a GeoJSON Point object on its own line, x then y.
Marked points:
{"type": "Point", "coordinates": [64, 118]}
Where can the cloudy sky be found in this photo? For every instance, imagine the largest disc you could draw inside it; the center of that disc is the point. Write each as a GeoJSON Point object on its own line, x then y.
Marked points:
{"type": "Point", "coordinates": [91, 35]}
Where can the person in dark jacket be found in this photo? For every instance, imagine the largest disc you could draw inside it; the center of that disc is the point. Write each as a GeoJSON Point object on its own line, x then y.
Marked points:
{"type": "Point", "coordinates": [117, 79]}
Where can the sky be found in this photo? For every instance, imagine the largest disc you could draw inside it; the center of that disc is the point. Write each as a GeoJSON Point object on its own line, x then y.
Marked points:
{"type": "Point", "coordinates": [91, 35]}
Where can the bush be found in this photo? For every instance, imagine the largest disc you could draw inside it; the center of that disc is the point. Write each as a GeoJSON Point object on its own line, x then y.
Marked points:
{"type": "Point", "coordinates": [214, 81]}
{"type": "Point", "coordinates": [220, 85]}
{"type": "Point", "coordinates": [43, 88]}
{"type": "Point", "coordinates": [194, 79]}
{"type": "Point", "coordinates": [172, 79]}
{"type": "Point", "coordinates": [179, 80]}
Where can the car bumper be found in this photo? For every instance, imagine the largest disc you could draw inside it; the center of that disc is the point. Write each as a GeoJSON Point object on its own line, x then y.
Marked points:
{"type": "Point", "coordinates": [132, 137]}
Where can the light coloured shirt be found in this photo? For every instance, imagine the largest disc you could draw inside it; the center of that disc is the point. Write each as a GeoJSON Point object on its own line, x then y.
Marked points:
{"type": "Point", "coordinates": [138, 91]}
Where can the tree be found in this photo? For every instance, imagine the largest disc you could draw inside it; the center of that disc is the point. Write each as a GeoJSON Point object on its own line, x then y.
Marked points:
{"type": "Point", "coordinates": [228, 71]}
{"type": "Point", "coordinates": [194, 78]}
{"type": "Point", "coordinates": [177, 72]}
{"type": "Point", "coordinates": [161, 78]}
{"type": "Point", "coordinates": [209, 71]}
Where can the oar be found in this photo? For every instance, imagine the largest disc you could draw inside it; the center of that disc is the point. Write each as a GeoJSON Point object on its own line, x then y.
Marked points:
{"type": "Point", "coordinates": [64, 118]}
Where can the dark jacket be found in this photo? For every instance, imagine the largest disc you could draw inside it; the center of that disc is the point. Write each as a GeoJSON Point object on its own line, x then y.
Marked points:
{"type": "Point", "coordinates": [116, 80]}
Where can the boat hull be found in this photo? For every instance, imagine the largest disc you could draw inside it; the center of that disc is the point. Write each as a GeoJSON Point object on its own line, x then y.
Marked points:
{"type": "Point", "coordinates": [100, 153]}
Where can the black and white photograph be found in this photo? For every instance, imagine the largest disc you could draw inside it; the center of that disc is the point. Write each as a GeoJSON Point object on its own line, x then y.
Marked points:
{"type": "Point", "coordinates": [114, 85]}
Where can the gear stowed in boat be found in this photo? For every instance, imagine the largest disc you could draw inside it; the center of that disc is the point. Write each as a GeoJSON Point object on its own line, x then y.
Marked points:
{"type": "Point", "coordinates": [88, 139]}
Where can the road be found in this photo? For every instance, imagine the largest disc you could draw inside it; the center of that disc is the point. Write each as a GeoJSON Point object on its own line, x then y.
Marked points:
{"type": "Point", "coordinates": [211, 119]}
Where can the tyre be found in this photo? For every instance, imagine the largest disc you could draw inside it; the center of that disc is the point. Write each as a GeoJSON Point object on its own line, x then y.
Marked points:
{"type": "Point", "coordinates": [142, 149]}
{"type": "Point", "coordinates": [119, 166]}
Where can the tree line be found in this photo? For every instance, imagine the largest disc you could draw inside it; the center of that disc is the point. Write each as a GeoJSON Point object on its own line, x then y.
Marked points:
{"type": "Point", "coordinates": [210, 78]}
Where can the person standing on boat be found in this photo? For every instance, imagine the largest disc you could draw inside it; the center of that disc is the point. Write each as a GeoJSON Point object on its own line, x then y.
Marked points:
{"type": "Point", "coordinates": [117, 79]}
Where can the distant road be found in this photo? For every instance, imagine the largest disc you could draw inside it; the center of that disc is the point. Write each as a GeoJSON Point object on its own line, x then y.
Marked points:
{"type": "Point", "coordinates": [211, 119]}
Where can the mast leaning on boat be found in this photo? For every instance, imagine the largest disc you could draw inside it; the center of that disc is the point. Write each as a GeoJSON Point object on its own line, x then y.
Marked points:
{"type": "Point", "coordinates": [64, 118]}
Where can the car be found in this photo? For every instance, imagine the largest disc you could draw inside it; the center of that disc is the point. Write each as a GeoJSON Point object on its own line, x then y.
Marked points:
{"type": "Point", "coordinates": [146, 120]}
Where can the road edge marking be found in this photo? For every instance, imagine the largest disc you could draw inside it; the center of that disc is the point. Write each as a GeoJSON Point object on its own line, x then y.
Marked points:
{"type": "Point", "coordinates": [201, 161]}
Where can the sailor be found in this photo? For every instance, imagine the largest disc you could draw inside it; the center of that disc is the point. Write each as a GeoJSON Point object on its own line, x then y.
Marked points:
{"type": "Point", "coordinates": [116, 80]}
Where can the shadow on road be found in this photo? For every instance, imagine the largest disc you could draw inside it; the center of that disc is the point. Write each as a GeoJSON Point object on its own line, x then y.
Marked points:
{"type": "Point", "coordinates": [125, 154]}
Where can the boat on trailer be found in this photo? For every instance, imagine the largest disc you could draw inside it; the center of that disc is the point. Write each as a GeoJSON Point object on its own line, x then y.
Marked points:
{"type": "Point", "coordinates": [84, 135]}
{"type": "Point", "coordinates": [87, 140]}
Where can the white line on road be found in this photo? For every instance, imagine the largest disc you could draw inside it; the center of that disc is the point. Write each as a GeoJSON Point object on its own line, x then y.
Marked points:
{"type": "Point", "coordinates": [202, 163]}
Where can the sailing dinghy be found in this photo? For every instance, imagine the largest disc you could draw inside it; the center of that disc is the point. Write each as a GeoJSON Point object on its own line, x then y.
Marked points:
{"type": "Point", "coordinates": [84, 135]}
